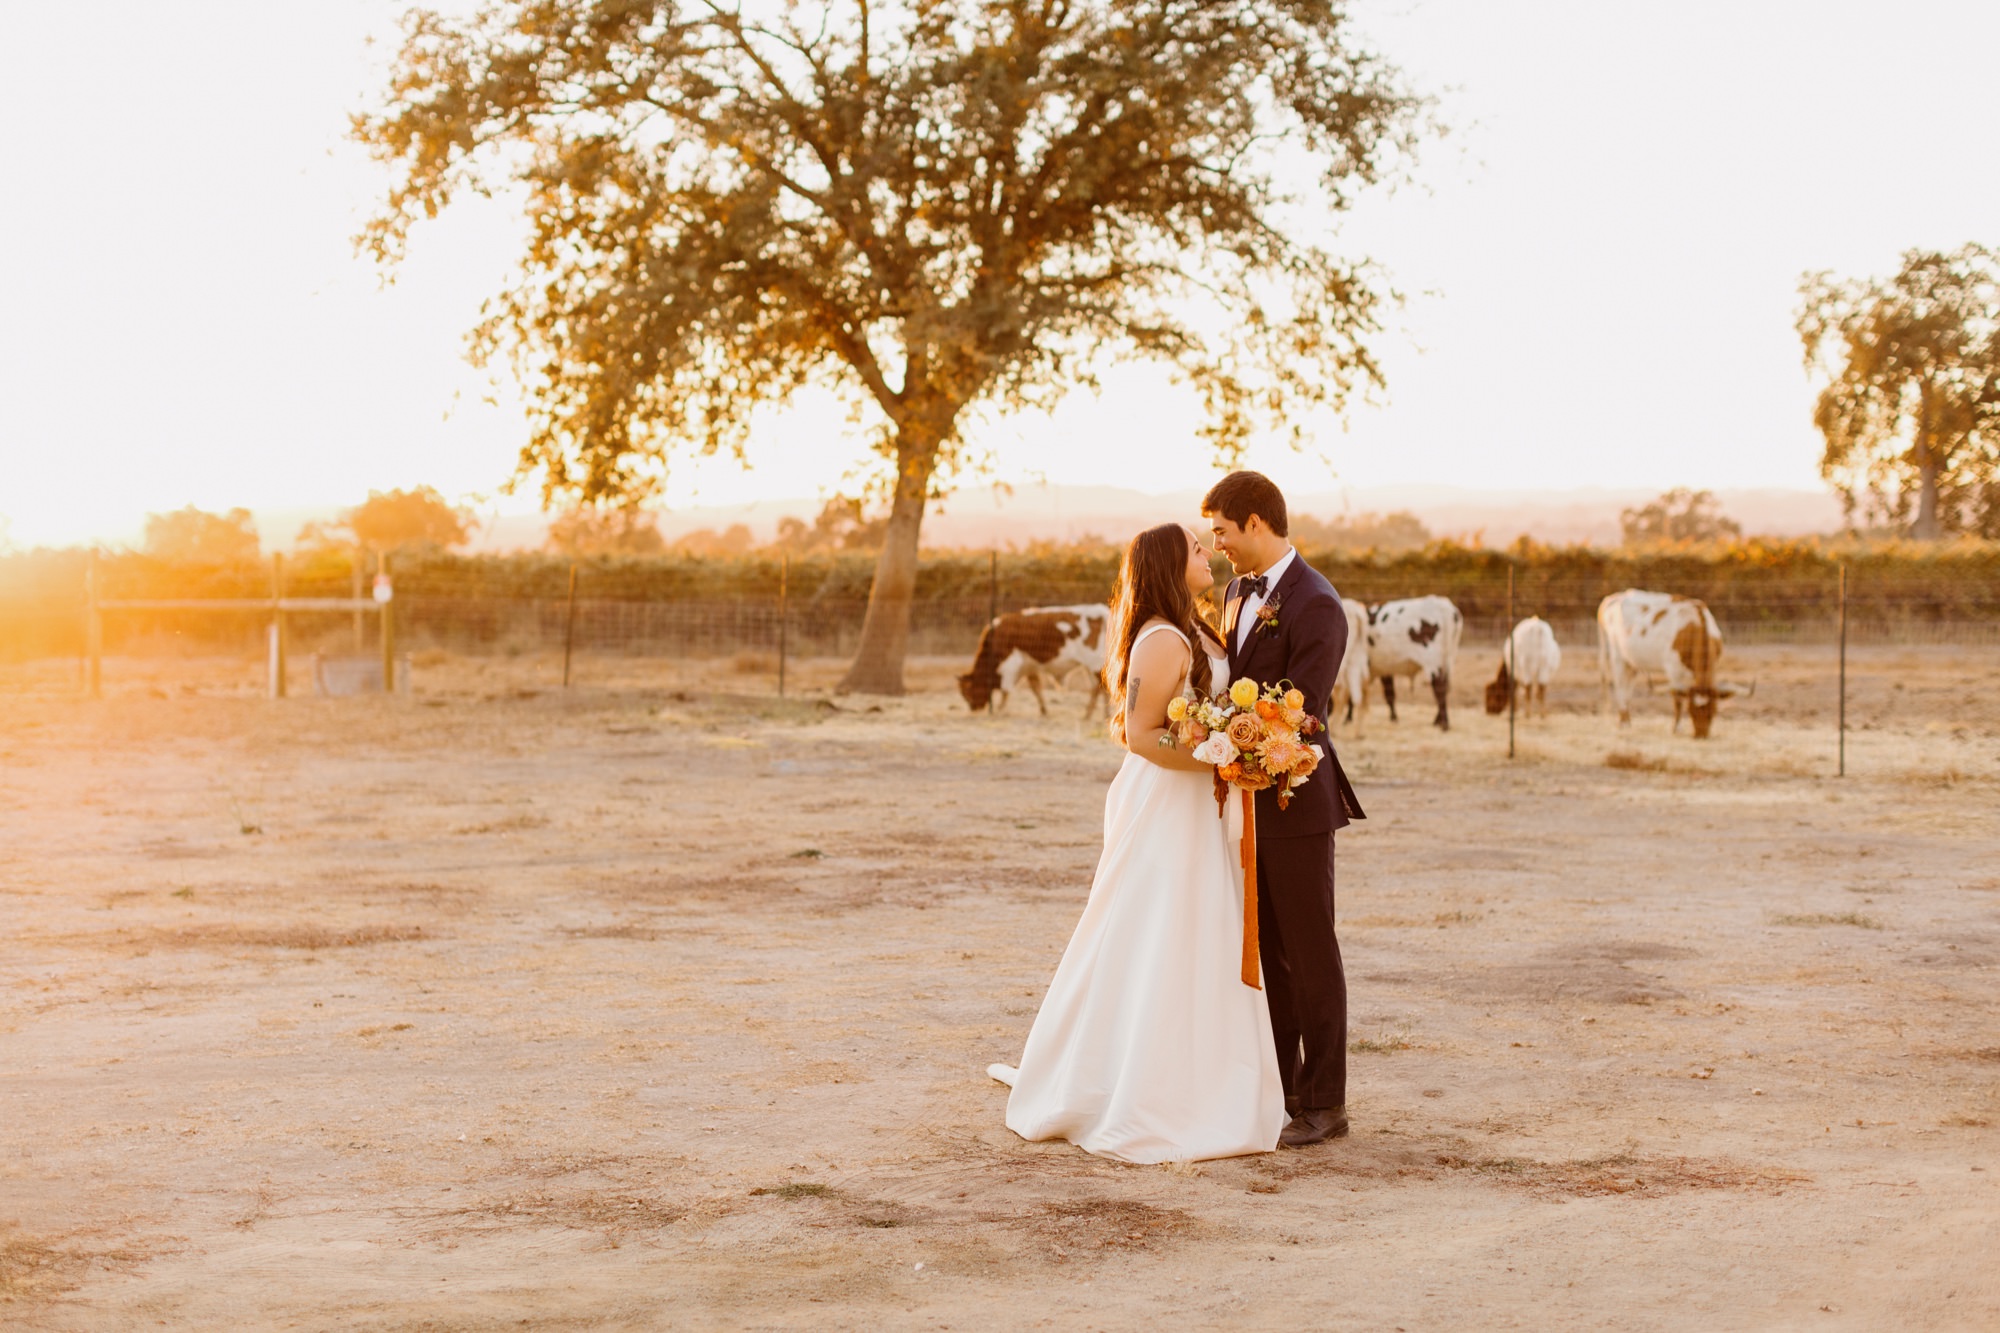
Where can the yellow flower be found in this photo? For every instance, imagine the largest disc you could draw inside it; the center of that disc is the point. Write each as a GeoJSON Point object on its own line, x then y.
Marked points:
{"type": "Point", "coordinates": [1294, 699]}
{"type": "Point", "coordinates": [1243, 693]}
{"type": "Point", "coordinates": [1176, 708]}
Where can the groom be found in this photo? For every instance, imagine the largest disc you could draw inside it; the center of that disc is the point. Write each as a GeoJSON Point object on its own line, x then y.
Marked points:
{"type": "Point", "coordinates": [1282, 621]}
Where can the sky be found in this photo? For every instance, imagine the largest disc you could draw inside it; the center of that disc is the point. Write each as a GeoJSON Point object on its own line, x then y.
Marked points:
{"type": "Point", "coordinates": [1601, 263]}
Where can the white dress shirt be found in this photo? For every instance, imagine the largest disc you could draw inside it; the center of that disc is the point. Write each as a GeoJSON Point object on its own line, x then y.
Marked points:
{"type": "Point", "coordinates": [1247, 616]}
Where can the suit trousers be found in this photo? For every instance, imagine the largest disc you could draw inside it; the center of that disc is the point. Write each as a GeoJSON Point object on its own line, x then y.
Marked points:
{"type": "Point", "coordinates": [1304, 982]}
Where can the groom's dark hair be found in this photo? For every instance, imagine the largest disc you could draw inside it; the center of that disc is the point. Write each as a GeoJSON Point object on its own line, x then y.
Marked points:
{"type": "Point", "coordinates": [1241, 494]}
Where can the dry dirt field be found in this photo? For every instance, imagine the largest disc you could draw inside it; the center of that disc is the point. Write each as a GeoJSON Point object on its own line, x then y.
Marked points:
{"type": "Point", "coordinates": [661, 1003]}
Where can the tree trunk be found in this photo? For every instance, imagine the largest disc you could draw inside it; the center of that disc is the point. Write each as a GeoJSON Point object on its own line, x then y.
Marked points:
{"type": "Point", "coordinates": [1926, 528]}
{"type": "Point", "coordinates": [885, 633]}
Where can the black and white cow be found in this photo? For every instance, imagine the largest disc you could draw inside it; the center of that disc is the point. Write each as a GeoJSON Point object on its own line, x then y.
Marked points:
{"type": "Point", "coordinates": [1416, 636]}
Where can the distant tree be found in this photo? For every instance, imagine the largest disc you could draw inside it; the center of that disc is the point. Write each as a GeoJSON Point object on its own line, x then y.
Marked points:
{"type": "Point", "coordinates": [596, 530]}
{"type": "Point", "coordinates": [1679, 515]}
{"type": "Point", "coordinates": [934, 206]}
{"type": "Point", "coordinates": [733, 540]}
{"type": "Point", "coordinates": [842, 525]}
{"type": "Point", "coordinates": [1911, 412]}
{"type": "Point", "coordinates": [193, 536]}
{"type": "Point", "coordinates": [390, 520]}
{"type": "Point", "coordinates": [1400, 531]}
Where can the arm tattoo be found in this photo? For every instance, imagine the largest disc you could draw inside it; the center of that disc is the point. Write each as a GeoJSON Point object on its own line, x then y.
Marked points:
{"type": "Point", "coordinates": [1131, 698]}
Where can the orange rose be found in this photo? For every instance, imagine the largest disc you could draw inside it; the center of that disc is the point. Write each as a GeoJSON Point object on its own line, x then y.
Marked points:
{"type": "Point", "coordinates": [1244, 731]}
{"type": "Point", "coordinates": [1308, 761]}
{"type": "Point", "coordinates": [1267, 710]}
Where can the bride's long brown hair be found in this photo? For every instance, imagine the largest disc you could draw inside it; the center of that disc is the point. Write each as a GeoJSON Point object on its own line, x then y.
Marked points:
{"type": "Point", "coordinates": [1152, 584]}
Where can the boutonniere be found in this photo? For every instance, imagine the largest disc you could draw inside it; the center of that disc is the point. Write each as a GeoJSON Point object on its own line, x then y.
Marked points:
{"type": "Point", "coordinates": [1267, 616]}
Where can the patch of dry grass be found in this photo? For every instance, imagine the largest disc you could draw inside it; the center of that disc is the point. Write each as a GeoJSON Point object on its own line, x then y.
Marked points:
{"type": "Point", "coordinates": [1623, 1173]}
{"type": "Point", "coordinates": [1382, 1045]}
{"type": "Point", "coordinates": [1070, 1227]}
{"type": "Point", "coordinates": [284, 937]}
{"type": "Point", "coordinates": [39, 1266]}
{"type": "Point", "coordinates": [610, 1212]}
{"type": "Point", "coordinates": [1827, 919]}
{"type": "Point", "coordinates": [1633, 762]}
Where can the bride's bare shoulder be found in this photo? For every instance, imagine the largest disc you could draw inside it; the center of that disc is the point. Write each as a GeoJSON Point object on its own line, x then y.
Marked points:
{"type": "Point", "coordinates": [1160, 644]}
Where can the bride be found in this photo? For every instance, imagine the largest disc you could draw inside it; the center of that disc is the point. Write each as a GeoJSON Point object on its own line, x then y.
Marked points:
{"type": "Point", "coordinates": [1148, 1046]}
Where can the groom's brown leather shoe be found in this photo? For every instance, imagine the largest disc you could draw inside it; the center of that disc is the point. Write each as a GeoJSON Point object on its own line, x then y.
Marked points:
{"type": "Point", "coordinates": [1315, 1126]}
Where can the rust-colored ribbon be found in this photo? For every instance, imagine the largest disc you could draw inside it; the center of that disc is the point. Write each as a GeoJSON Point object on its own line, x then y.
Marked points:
{"type": "Point", "coordinates": [1252, 976]}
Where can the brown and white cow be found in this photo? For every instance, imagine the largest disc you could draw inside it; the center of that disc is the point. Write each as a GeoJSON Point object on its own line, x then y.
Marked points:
{"type": "Point", "coordinates": [1536, 658]}
{"type": "Point", "coordinates": [1026, 644]}
{"type": "Point", "coordinates": [1662, 634]}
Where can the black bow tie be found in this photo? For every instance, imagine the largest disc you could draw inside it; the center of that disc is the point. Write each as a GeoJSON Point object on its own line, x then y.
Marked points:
{"type": "Point", "coordinates": [1257, 585]}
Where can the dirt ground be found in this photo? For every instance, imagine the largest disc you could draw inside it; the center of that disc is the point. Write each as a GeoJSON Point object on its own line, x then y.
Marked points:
{"type": "Point", "coordinates": [662, 1003]}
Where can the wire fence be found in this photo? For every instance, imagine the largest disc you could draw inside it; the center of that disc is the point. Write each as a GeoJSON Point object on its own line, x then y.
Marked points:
{"type": "Point", "coordinates": [810, 626]}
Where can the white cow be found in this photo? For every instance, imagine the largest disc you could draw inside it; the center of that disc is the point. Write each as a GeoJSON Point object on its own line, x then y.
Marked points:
{"type": "Point", "coordinates": [1417, 636]}
{"type": "Point", "coordinates": [1661, 634]}
{"type": "Point", "coordinates": [1536, 658]}
{"type": "Point", "coordinates": [1350, 683]}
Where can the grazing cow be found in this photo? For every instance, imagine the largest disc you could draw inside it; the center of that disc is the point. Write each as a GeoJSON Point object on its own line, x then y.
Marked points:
{"type": "Point", "coordinates": [1350, 683]}
{"type": "Point", "coordinates": [1660, 634]}
{"type": "Point", "coordinates": [1536, 658]}
{"type": "Point", "coordinates": [1417, 636]}
{"type": "Point", "coordinates": [1024, 644]}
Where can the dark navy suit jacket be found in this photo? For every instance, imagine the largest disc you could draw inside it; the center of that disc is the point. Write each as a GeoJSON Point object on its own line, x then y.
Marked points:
{"type": "Point", "coordinates": [1304, 647]}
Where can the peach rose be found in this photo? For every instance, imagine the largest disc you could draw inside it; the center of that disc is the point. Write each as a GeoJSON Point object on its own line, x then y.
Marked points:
{"type": "Point", "coordinates": [1245, 731]}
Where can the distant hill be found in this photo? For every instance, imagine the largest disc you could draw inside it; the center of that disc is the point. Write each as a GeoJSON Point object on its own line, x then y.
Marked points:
{"type": "Point", "coordinates": [984, 517]}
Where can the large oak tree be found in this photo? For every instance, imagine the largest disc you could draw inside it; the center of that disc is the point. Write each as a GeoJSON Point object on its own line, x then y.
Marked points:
{"type": "Point", "coordinates": [936, 206]}
{"type": "Point", "coordinates": [1911, 410]}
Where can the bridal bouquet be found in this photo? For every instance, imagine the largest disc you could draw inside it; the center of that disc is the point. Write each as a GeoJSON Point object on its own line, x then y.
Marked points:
{"type": "Point", "coordinates": [1254, 735]}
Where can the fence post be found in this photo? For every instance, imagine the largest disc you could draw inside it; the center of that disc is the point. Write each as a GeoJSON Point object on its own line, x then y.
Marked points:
{"type": "Point", "coordinates": [93, 630]}
{"type": "Point", "coordinates": [1513, 681]}
{"type": "Point", "coordinates": [784, 617]}
{"type": "Point", "coordinates": [1842, 772]}
{"type": "Point", "coordinates": [360, 616]}
{"type": "Point", "coordinates": [992, 604]}
{"type": "Point", "coordinates": [569, 623]}
{"type": "Point", "coordinates": [277, 664]}
{"type": "Point", "coordinates": [388, 622]}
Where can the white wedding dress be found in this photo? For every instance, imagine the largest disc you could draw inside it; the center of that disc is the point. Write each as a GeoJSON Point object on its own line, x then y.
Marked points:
{"type": "Point", "coordinates": [1149, 1047]}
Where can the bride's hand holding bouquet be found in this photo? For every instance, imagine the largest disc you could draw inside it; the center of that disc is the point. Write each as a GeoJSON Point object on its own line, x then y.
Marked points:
{"type": "Point", "coordinates": [1254, 735]}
